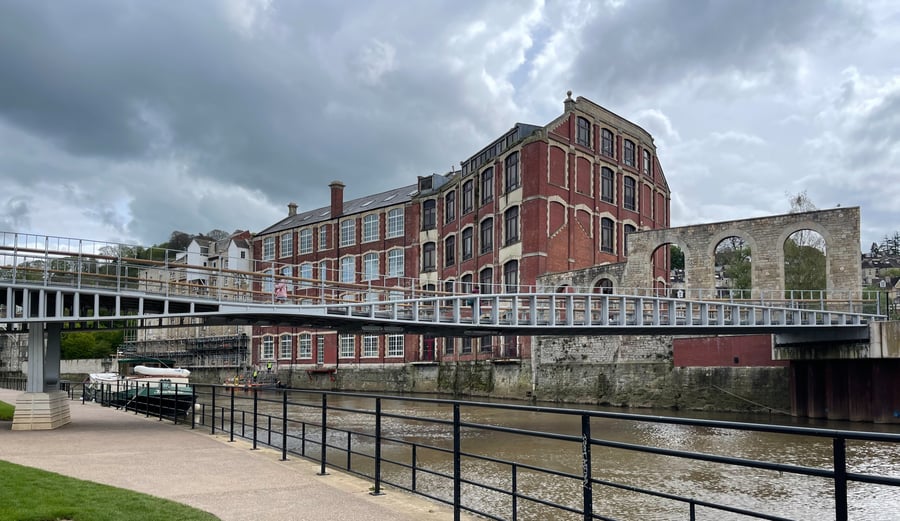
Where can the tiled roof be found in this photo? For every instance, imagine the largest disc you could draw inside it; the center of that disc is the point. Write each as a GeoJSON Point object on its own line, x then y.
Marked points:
{"type": "Point", "coordinates": [353, 206]}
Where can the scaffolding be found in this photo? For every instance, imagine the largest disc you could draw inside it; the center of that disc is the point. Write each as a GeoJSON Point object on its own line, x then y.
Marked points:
{"type": "Point", "coordinates": [227, 351]}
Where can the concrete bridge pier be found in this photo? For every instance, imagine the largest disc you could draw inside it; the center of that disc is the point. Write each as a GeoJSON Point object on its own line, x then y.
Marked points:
{"type": "Point", "coordinates": [42, 406]}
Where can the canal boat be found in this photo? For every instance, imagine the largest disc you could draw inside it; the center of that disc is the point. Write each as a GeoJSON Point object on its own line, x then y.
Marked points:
{"type": "Point", "coordinates": [144, 384]}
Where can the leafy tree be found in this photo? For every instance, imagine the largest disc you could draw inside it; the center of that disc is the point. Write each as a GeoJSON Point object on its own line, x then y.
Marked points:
{"type": "Point", "coordinates": [179, 240]}
{"type": "Point", "coordinates": [734, 256]}
{"type": "Point", "coordinates": [217, 235]}
{"type": "Point", "coordinates": [676, 257]}
{"type": "Point", "coordinates": [90, 344]}
{"type": "Point", "coordinates": [804, 266]}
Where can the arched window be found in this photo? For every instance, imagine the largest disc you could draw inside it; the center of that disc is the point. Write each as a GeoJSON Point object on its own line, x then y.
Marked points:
{"type": "Point", "coordinates": [604, 286]}
{"type": "Point", "coordinates": [606, 235]}
{"type": "Point", "coordinates": [429, 213]}
{"type": "Point", "coordinates": [486, 280]}
{"type": "Point", "coordinates": [629, 153]}
{"type": "Point", "coordinates": [584, 132]}
{"type": "Point", "coordinates": [511, 276]}
{"type": "Point", "coordinates": [487, 235]}
{"type": "Point", "coordinates": [511, 169]}
{"type": "Point", "coordinates": [630, 202]}
{"type": "Point", "coordinates": [370, 228]}
{"type": "Point", "coordinates": [511, 225]}
{"type": "Point", "coordinates": [370, 266]}
{"type": "Point", "coordinates": [487, 185]}
{"type": "Point", "coordinates": [607, 147]}
{"type": "Point", "coordinates": [428, 256]}
{"type": "Point", "coordinates": [607, 185]}
{"type": "Point", "coordinates": [627, 229]}
{"type": "Point", "coordinates": [450, 250]}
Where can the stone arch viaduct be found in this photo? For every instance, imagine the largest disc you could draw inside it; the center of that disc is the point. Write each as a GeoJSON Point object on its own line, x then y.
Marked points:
{"type": "Point", "coordinates": [765, 236]}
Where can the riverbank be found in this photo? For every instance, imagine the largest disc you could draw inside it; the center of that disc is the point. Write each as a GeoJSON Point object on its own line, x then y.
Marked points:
{"type": "Point", "coordinates": [207, 472]}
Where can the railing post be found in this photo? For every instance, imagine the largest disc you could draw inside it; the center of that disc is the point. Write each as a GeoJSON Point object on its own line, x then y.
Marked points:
{"type": "Point", "coordinates": [587, 485]}
{"type": "Point", "coordinates": [840, 479]}
{"type": "Point", "coordinates": [212, 422]}
{"type": "Point", "coordinates": [515, 492]}
{"type": "Point", "coordinates": [324, 430]}
{"type": "Point", "coordinates": [457, 488]}
{"type": "Point", "coordinates": [160, 400]}
{"type": "Point", "coordinates": [255, 411]}
{"type": "Point", "coordinates": [377, 491]}
{"type": "Point", "coordinates": [284, 425]}
{"type": "Point", "coordinates": [231, 416]}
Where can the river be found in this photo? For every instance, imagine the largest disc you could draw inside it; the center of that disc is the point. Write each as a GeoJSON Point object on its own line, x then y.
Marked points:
{"type": "Point", "coordinates": [772, 492]}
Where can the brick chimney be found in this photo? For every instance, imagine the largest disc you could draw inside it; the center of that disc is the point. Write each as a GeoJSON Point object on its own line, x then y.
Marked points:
{"type": "Point", "coordinates": [292, 209]}
{"type": "Point", "coordinates": [337, 199]}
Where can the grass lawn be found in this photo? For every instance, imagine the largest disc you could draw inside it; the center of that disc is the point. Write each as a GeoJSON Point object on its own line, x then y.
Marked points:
{"type": "Point", "coordinates": [6, 411]}
{"type": "Point", "coordinates": [28, 494]}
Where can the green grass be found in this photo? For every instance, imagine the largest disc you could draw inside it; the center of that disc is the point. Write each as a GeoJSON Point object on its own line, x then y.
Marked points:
{"type": "Point", "coordinates": [28, 494]}
{"type": "Point", "coordinates": [6, 411]}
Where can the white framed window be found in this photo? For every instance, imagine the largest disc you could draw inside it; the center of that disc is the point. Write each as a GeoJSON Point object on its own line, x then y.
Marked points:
{"type": "Point", "coordinates": [287, 274]}
{"type": "Point", "coordinates": [287, 244]}
{"type": "Point", "coordinates": [306, 273]}
{"type": "Point", "coordinates": [370, 228]}
{"type": "Point", "coordinates": [268, 248]}
{"type": "Point", "coordinates": [267, 349]}
{"type": "Point", "coordinates": [348, 346]}
{"type": "Point", "coordinates": [395, 262]}
{"type": "Point", "coordinates": [348, 232]}
{"type": "Point", "coordinates": [348, 269]}
{"type": "Point", "coordinates": [395, 345]}
{"type": "Point", "coordinates": [323, 237]}
{"type": "Point", "coordinates": [284, 347]}
{"type": "Point", "coordinates": [304, 346]}
{"type": "Point", "coordinates": [306, 241]}
{"type": "Point", "coordinates": [268, 282]}
{"type": "Point", "coordinates": [323, 271]}
{"type": "Point", "coordinates": [370, 346]}
{"type": "Point", "coordinates": [370, 266]}
{"type": "Point", "coordinates": [395, 223]}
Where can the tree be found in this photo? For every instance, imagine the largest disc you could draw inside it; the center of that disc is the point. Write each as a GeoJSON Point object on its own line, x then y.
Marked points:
{"type": "Point", "coordinates": [734, 256]}
{"type": "Point", "coordinates": [179, 241]}
{"type": "Point", "coordinates": [676, 257]}
{"type": "Point", "coordinates": [804, 267]}
{"type": "Point", "coordinates": [217, 235]}
{"type": "Point", "coordinates": [804, 252]}
{"type": "Point", "coordinates": [90, 344]}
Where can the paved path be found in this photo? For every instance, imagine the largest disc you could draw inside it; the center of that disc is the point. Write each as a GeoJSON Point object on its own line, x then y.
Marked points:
{"type": "Point", "coordinates": [207, 472]}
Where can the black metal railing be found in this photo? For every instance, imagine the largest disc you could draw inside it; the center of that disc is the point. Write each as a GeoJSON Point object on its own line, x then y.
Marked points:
{"type": "Point", "coordinates": [350, 434]}
{"type": "Point", "coordinates": [431, 447]}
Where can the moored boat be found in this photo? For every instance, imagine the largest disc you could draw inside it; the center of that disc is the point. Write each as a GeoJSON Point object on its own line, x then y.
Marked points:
{"type": "Point", "coordinates": [146, 385]}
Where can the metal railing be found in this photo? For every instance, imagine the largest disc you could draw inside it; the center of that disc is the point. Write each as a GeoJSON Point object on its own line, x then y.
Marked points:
{"type": "Point", "coordinates": [378, 438]}
{"type": "Point", "coordinates": [80, 263]}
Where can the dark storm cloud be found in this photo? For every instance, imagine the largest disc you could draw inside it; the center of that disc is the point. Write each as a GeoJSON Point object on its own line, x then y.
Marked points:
{"type": "Point", "coordinates": [644, 48]}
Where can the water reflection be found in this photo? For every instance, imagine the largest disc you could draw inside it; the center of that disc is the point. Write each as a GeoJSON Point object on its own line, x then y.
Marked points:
{"type": "Point", "coordinates": [778, 494]}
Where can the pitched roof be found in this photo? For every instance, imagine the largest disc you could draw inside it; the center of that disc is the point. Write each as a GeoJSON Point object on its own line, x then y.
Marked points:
{"type": "Point", "coordinates": [353, 206]}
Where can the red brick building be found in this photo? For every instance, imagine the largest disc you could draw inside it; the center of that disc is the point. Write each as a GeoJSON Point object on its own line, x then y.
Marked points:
{"type": "Point", "coordinates": [536, 200]}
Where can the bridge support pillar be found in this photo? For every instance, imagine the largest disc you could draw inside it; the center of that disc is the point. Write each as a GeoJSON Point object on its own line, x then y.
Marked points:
{"type": "Point", "coordinates": [837, 386]}
{"type": "Point", "coordinates": [859, 392]}
{"type": "Point", "coordinates": [816, 404]}
{"type": "Point", "coordinates": [884, 386]}
{"type": "Point", "coordinates": [42, 406]}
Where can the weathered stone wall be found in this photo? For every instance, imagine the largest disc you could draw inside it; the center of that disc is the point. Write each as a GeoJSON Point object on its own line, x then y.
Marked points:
{"type": "Point", "coordinates": [765, 236]}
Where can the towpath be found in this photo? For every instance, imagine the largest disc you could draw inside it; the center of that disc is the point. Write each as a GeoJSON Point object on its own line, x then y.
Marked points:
{"type": "Point", "coordinates": [207, 472]}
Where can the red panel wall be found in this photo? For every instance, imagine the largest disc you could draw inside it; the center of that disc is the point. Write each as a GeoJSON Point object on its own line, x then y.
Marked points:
{"type": "Point", "coordinates": [733, 351]}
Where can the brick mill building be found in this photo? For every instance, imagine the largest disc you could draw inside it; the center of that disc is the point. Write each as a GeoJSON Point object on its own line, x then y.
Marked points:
{"type": "Point", "coordinates": [537, 200]}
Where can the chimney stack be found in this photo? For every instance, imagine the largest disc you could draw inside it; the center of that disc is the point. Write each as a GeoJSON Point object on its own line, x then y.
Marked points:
{"type": "Point", "coordinates": [292, 209]}
{"type": "Point", "coordinates": [337, 199]}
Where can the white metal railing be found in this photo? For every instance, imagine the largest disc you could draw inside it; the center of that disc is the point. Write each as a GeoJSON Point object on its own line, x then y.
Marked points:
{"type": "Point", "coordinates": [77, 264]}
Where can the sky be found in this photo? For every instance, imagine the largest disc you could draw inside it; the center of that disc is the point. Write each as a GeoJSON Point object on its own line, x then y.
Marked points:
{"type": "Point", "coordinates": [126, 120]}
